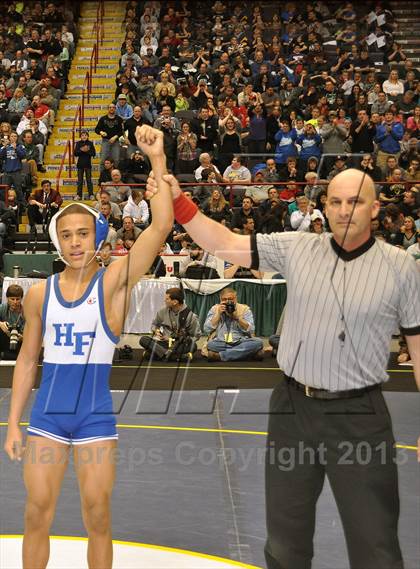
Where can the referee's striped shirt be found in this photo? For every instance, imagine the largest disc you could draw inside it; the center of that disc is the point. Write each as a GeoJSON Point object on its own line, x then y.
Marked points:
{"type": "Point", "coordinates": [382, 292]}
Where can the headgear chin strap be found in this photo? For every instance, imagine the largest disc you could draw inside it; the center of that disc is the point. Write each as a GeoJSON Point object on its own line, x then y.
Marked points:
{"type": "Point", "coordinates": [101, 229]}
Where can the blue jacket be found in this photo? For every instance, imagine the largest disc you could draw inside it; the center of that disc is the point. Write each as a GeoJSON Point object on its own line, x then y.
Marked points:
{"type": "Point", "coordinates": [285, 146]}
{"type": "Point", "coordinates": [311, 146]}
{"type": "Point", "coordinates": [12, 157]}
{"type": "Point", "coordinates": [389, 142]}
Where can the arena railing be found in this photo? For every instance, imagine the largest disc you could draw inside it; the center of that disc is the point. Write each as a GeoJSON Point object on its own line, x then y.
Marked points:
{"type": "Point", "coordinates": [79, 116]}
{"type": "Point", "coordinates": [281, 185]}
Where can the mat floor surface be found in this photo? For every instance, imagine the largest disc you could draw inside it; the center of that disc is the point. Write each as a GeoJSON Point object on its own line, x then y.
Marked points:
{"type": "Point", "coordinates": [140, 374]}
{"type": "Point", "coordinates": [190, 484]}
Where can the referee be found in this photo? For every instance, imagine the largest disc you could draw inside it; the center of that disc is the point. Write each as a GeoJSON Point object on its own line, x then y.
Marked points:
{"type": "Point", "coordinates": [347, 294]}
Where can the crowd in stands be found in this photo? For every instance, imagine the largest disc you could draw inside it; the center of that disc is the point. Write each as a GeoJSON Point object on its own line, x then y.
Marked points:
{"type": "Point", "coordinates": [37, 42]}
{"type": "Point", "coordinates": [261, 106]}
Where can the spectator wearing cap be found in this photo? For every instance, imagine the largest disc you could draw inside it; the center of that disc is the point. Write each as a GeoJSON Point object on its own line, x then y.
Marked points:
{"type": "Point", "coordinates": [110, 128]}
{"type": "Point", "coordinates": [317, 224]}
{"type": "Point", "coordinates": [300, 220]}
{"type": "Point", "coordinates": [258, 191]}
{"type": "Point", "coordinates": [388, 136]}
{"type": "Point", "coordinates": [339, 166]}
{"type": "Point", "coordinates": [285, 139]}
{"type": "Point", "coordinates": [84, 149]}
{"type": "Point", "coordinates": [122, 108]}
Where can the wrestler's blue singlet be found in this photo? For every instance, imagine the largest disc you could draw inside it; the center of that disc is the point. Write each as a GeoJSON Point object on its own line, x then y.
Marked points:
{"type": "Point", "coordinates": [74, 404]}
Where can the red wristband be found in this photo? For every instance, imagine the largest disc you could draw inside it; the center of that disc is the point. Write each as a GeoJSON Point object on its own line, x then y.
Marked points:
{"type": "Point", "coordinates": [184, 209]}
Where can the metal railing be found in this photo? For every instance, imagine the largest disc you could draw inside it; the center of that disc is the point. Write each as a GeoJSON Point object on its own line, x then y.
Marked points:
{"type": "Point", "coordinates": [279, 185]}
{"type": "Point", "coordinates": [79, 117]}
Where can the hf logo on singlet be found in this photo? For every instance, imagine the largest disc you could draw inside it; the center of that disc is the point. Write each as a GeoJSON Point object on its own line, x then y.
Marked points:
{"type": "Point", "coordinates": [65, 336]}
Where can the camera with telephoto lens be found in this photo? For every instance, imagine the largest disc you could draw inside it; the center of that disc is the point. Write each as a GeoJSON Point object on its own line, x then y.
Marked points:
{"type": "Point", "coordinates": [14, 337]}
{"type": "Point", "coordinates": [230, 306]}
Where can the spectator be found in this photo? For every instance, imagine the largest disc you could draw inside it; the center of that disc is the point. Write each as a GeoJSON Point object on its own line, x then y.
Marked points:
{"type": "Point", "coordinates": [118, 190]}
{"type": "Point", "coordinates": [170, 127]}
{"type": "Point", "coordinates": [113, 224]}
{"type": "Point", "coordinates": [409, 204]}
{"type": "Point", "coordinates": [130, 127]}
{"type": "Point", "coordinates": [312, 189]}
{"type": "Point", "coordinates": [202, 260]}
{"type": "Point", "coordinates": [407, 235]}
{"type": "Point", "coordinates": [367, 165]}
{"type": "Point", "coordinates": [128, 233]}
{"type": "Point", "coordinates": [339, 166]}
{"type": "Point", "coordinates": [84, 150]}
{"type": "Point", "coordinates": [393, 191]}
{"type": "Point", "coordinates": [240, 216]}
{"type": "Point", "coordinates": [217, 207]}
{"type": "Point", "coordinates": [362, 133]}
{"type": "Point", "coordinates": [382, 105]}
{"type": "Point", "coordinates": [258, 192]}
{"type": "Point", "coordinates": [317, 223]}
{"type": "Point", "coordinates": [388, 136]}
{"type": "Point", "coordinates": [136, 168]}
{"type": "Point", "coordinates": [206, 163]}
{"type": "Point", "coordinates": [310, 143]}
{"type": "Point", "coordinates": [137, 209]}
{"type": "Point", "coordinates": [31, 155]}
{"type": "Point", "coordinates": [12, 153]}
{"type": "Point", "coordinates": [393, 87]}
{"type": "Point", "coordinates": [415, 248]}
{"type": "Point", "coordinates": [12, 323]}
{"type": "Point", "coordinates": [105, 174]}
{"type": "Point", "coordinates": [122, 108]}
{"type": "Point", "coordinates": [285, 144]}
{"type": "Point", "coordinates": [17, 106]}
{"type": "Point", "coordinates": [43, 204]}
{"type": "Point", "coordinates": [270, 171]}
{"type": "Point", "coordinates": [300, 219]}
{"type": "Point", "coordinates": [230, 326]}
{"type": "Point", "coordinates": [110, 128]}
{"type": "Point", "coordinates": [206, 129]}
{"type": "Point", "coordinates": [105, 197]}
{"type": "Point", "coordinates": [175, 330]}
{"type": "Point", "coordinates": [237, 172]}
{"type": "Point", "coordinates": [186, 150]}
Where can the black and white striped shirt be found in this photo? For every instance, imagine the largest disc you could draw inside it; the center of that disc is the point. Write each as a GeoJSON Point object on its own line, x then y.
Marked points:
{"type": "Point", "coordinates": [366, 294]}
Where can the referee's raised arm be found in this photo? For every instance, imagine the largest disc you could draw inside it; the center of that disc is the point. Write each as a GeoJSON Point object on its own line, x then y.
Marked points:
{"type": "Point", "coordinates": [210, 235]}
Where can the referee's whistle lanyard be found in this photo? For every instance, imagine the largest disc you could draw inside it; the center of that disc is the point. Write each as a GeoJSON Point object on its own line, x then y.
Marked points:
{"type": "Point", "coordinates": [342, 335]}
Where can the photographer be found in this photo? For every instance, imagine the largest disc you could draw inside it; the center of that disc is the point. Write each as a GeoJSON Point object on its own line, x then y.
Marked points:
{"type": "Point", "coordinates": [175, 329]}
{"type": "Point", "coordinates": [231, 328]}
{"type": "Point", "coordinates": [12, 323]}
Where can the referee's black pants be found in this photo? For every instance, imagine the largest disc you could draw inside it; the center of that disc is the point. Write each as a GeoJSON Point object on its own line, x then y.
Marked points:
{"type": "Point", "coordinates": [350, 441]}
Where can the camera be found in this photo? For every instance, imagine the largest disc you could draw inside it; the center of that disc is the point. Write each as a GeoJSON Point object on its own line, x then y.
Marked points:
{"type": "Point", "coordinates": [14, 338]}
{"type": "Point", "coordinates": [230, 307]}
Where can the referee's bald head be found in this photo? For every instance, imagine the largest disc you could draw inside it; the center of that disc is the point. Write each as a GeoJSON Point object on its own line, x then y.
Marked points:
{"type": "Point", "coordinates": [355, 179]}
{"type": "Point", "coordinates": [351, 205]}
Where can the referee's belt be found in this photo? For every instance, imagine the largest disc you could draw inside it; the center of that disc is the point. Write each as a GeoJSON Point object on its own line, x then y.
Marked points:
{"type": "Point", "coordinates": [315, 393]}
